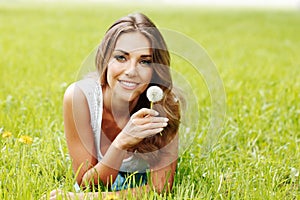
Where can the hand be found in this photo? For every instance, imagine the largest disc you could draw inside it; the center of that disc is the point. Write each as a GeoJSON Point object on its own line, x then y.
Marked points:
{"type": "Point", "coordinates": [58, 194]}
{"type": "Point", "coordinates": [144, 123]}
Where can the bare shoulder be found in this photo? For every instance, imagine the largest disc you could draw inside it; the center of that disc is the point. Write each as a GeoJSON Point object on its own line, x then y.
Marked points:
{"type": "Point", "coordinates": [76, 111]}
{"type": "Point", "coordinates": [74, 93]}
{"type": "Point", "coordinates": [75, 105]}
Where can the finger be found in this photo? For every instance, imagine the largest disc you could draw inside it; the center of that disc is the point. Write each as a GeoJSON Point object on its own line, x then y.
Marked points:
{"type": "Point", "coordinates": [146, 120]}
{"type": "Point", "coordinates": [150, 126]}
{"type": "Point", "coordinates": [54, 192]}
{"type": "Point", "coordinates": [43, 197]}
{"type": "Point", "coordinates": [144, 112]}
{"type": "Point", "coordinates": [151, 132]}
{"type": "Point", "coordinates": [147, 130]}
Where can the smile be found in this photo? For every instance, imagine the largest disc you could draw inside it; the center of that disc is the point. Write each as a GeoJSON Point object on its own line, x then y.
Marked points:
{"type": "Point", "coordinates": [128, 84]}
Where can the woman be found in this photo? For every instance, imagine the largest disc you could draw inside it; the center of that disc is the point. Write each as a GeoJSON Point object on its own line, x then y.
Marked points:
{"type": "Point", "coordinates": [113, 136]}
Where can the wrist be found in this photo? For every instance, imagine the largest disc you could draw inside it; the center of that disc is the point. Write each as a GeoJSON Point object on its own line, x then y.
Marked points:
{"type": "Point", "coordinates": [88, 175]}
{"type": "Point", "coordinates": [119, 143]}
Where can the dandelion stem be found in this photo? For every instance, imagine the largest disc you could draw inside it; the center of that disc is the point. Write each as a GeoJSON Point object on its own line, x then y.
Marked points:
{"type": "Point", "coordinates": [151, 107]}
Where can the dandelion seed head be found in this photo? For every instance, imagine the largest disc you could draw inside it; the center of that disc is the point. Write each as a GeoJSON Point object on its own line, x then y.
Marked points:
{"type": "Point", "coordinates": [154, 93]}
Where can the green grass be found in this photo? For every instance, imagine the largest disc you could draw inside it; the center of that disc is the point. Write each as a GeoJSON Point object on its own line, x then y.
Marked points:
{"type": "Point", "coordinates": [255, 51]}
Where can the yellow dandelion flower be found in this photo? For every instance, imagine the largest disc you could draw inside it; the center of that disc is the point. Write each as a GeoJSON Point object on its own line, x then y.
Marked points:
{"type": "Point", "coordinates": [111, 197]}
{"type": "Point", "coordinates": [6, 134]}
{"type": "Point", "coordinates": [25, 139]}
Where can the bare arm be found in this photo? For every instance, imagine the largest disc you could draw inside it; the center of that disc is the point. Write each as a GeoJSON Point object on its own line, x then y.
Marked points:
{"type": "Point", "coordinates": [78, 131]}
{"type": "Point", "coordinates": [142, 124]}
{"type": "Point", "coordinates": [163, 172]}
{"type": "Point", "coordinates": [80, 141]}
{"type": "Point", "coordinates": [80, 138]}
{"type": "Point", "coordinates": [162, 181]}
{"type": "Point", "coordinates": [161, 178]}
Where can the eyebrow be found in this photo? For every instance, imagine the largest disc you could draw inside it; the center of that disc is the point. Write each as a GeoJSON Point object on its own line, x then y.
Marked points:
{"type": "Point", "coordinates": [126, 53]}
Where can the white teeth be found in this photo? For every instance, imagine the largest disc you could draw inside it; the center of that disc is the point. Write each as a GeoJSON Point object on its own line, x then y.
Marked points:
{"type": "Point", "coordinates": [128, 84]}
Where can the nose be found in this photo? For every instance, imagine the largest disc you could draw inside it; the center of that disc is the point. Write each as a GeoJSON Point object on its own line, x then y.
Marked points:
{"type": "Point", "coordinates": [131, 69]}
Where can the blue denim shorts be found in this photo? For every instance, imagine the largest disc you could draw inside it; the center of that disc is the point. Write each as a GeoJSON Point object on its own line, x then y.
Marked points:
{"type": "Point", "coordinates": [127, 180]}
{"type": "Point", "coordinates": [124, 180]}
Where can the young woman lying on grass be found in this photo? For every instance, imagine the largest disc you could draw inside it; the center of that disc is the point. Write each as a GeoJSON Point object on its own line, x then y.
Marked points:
{"type": "Point", "coordinates": [115, 138]}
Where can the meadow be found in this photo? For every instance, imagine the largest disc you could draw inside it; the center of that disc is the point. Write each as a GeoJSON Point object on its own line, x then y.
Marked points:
{"type": "Point", "coordinates": [256, 52]}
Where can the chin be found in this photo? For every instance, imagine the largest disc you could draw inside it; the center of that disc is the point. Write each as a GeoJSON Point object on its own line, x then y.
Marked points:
{"type": "Point", "coordinates": [128, 97]}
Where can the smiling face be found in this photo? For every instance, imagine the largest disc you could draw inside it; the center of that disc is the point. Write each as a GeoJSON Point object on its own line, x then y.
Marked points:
{"type": "Point", "coordinates": [129, 68]}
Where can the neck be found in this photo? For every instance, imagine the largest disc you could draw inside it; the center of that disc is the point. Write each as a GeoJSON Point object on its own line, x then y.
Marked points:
{"type": "Point", "coordinates": [119, 108]}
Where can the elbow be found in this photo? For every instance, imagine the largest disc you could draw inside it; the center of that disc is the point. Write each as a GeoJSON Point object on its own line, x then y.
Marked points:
{"type": "Point", "coordinates": [92, 178]}
{"type": "Point", "coordinates": [79, 180]}
{"type": "Point", "coordinates": [163, 188]}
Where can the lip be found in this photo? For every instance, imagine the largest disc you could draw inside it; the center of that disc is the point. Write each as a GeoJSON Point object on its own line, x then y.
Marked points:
{"type": "Point", "coordinates": [129, 85]}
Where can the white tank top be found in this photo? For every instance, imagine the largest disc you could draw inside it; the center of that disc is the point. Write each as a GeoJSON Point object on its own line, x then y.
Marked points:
{"type": "Point", "coordinates": [93, 93]}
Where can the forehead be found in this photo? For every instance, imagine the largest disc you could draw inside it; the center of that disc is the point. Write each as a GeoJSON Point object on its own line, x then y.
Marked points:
{"type": "Point", "coordinates": [133, 41]}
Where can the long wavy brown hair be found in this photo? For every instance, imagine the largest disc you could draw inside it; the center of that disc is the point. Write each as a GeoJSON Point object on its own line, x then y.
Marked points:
{"type": "Point", "coordinates": [149, 148]}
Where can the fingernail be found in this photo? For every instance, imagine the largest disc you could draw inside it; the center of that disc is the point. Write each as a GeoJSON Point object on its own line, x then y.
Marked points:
{"type": "Point", "coordinates": [156, 113]}
{"type": "Point", "coordinates": [166, 119]}
{"type": "Point", "coordinates": [165, 124]}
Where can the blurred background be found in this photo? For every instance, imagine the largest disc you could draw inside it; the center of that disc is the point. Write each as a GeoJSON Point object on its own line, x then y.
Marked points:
{"type": "Point", "coordinates": [282, 4]}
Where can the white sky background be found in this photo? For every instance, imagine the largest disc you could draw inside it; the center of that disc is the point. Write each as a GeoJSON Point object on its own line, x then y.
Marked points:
{"type": "Point", "coordinates": [241, 3]}
{"type": "Point", "coordinates": [284, 4]}
{"type": "Point", "coordinates": [278, 4]}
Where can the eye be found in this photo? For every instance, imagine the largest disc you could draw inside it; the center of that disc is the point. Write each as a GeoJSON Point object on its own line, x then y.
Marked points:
{"type": "Point", "coordinates": [120, 58]}
{"type": "Point", "coordinates": [146, 62]}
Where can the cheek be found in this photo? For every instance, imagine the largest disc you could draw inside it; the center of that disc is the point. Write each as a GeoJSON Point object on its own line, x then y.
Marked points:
{"type": "Point", "coordinates": [112, 70]}
{"type": "Point", "coordinates": [146, 74]}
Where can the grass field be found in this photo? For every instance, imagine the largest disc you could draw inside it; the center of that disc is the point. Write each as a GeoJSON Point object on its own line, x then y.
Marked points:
{"type": "Point", "coordinates": [256, 52]}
